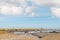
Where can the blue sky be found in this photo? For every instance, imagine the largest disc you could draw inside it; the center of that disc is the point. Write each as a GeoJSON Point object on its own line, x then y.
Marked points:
{"type": "Point", "coordinates": [29, 14]}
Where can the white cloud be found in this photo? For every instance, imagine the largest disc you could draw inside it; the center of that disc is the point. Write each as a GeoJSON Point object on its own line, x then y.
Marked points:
{"type": "Point", "coordinates": [11, 7]}
{"type": "Point", "coordinates": [34, 14]}
{"type": "Point", "coordinates": [10, 10]}
{"type": "Point", "coordinates": [55, 11]}
{"type": "Point", "coordinates": [46, 2]}
{"type": "Point", "coordinates": [23, 3]}
{"type": "Point", "coordinates": [52, 3]}
{"type": "Point", "coordinates": [29, 9]}
{"type": "Point", "coordinates": [35, 2]}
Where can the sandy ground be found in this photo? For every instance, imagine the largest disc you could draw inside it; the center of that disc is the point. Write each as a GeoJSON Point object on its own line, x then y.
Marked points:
{"type": "Point", "coordinates": [48, 36]}
{"type": "Point", "coordinates": [52, 36]}
{"type": "Point", "coordinates": [9, 36]}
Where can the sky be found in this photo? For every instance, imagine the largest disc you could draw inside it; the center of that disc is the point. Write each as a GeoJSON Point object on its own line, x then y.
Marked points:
{"type": "Point", "coordinates": [29, 13]}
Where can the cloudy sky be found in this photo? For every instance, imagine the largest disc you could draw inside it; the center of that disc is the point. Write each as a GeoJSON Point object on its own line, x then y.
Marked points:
{"type": "Point", "coordinates": [29, 13]}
